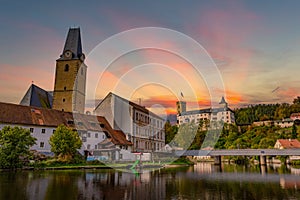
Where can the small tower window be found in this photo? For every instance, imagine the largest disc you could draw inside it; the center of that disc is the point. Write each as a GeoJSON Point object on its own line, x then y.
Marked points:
{"type": "Point", "coordinates": [65, 88]}
{"type": "Point", "coordinates": [66, 67]}
{"type": "Point", "coordinates": [64, 100]}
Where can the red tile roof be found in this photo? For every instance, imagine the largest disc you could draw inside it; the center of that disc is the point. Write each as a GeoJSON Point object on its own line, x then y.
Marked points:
{"type": "Point", "coordinates": [117, 137]}
{"type": "Point", "coordinates": [289, 143]}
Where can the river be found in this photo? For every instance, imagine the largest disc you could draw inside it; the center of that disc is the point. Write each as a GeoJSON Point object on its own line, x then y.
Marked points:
{"type": "Point", "coordinates": [201, 181]}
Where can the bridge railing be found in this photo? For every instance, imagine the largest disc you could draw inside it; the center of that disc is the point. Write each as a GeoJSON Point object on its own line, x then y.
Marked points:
{"type": "Point", "coordinates": [240, 152]}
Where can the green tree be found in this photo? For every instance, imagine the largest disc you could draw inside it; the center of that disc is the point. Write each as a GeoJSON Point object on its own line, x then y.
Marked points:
{"type": "Point", "coordinates": [170, 132]}
{"type": "Point", "coordinates": [294, 132]}
{"type": "Point", "coordinates": [64, 143]}
{"type": "Point", "coordinates": [14, 146]}
{"type": "Point", "coordinates": [296, 100]}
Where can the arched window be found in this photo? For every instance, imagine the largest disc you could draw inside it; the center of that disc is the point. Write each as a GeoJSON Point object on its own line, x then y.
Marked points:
{"type": "Point", "coordinates": [66, 67]}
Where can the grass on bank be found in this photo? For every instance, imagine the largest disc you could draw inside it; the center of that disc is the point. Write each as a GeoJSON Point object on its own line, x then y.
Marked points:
{"type": "Point", "coordinates": [79, 162]}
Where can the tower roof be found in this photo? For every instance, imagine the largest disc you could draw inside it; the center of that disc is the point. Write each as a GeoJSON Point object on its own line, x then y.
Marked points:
{"type": "Point", "coordinates": [73, 43]}
{"type": "Point", "coordinates": [223, 101]}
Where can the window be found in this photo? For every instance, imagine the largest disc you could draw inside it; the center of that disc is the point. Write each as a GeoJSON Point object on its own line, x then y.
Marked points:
{"type": "Point", "coordinates": [103, 136]}
{"type": "Point", "coordinates": [96, 135]}
{"type": "Point", "coordinates": [43, 130]}
{"type": "Point", "coordinates": [88, 146]}
{"type": "Point", "coordinates": [96, 146]}
{"type": "Point", "coordinates": [31, 130]}
{"type": "Point", "coordinates": [66, 67]}
{"type": "Point", "coordinates": [53, 131]}
{"type": "Point", "coordinates": [64, 100]}
{"type": "Point", "coordinates": [88, 134]}
{"type": "Point", "coordinates": [65, 88]}
{"type": "Point", "coordinates": [42, 144]}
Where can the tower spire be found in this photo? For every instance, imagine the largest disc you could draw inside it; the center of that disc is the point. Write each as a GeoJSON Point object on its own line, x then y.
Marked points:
{"type": "Point", "coordinates": [73, 47]}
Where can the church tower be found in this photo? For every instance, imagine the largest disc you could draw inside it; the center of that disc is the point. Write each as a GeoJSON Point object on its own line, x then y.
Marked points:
{"type": "Point", "coordinates": [70, 76]}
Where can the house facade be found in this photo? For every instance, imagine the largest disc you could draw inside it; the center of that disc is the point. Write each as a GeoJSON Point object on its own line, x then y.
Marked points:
{"type": "Point", "coordinates": [143, 128]}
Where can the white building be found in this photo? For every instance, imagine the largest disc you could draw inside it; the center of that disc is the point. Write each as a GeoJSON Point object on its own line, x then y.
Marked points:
{"type": "Point", "coordinates": [43, 122]}
{"type": "Point", "coordinates": [143, 128]}
{"type": "Point", "coordinates": [224, 113]}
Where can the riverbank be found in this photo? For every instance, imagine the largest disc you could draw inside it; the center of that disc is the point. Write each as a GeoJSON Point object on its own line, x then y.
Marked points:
{"type": "Point", "coordinates": [108, 166]}
{"type": "Point", "coordinates": [54, 164]}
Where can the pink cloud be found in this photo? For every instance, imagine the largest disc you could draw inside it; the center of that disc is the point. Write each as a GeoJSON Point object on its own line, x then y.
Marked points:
{"type": "Point", "coordinates": [225, 34]}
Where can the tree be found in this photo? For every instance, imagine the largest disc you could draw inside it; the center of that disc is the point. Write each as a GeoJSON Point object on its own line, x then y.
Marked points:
{"type": "Point", "coordinates": [294, 132]}
{"type": "Point", "coordinates": [296, 100]}
{"type": "Point", "coordinates": [170, 132]}
{"type": "Point", "coordinates": [14, 146]}
{"type": "Point", "coordinates": [65, 142]}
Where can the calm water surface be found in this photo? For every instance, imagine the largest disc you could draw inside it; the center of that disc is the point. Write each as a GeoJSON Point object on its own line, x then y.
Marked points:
{"type": "Point", "coordinates": [202, 181]}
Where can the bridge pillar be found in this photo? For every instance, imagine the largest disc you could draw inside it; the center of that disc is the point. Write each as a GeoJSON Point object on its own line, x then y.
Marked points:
{"type": "Point", "coordinates": [263, 160]}
{"type": "Point", "coordinates": [217, 160]}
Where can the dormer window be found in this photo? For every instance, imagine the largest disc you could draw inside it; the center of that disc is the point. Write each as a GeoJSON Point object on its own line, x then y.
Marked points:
{"type": "Point", "coordinates": [67, 68]}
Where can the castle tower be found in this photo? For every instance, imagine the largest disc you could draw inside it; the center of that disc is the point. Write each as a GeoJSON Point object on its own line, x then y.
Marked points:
{"type": "Point", "coordinates": [70, 76]}
{"type": "Point", "coordinates": [181, 107]}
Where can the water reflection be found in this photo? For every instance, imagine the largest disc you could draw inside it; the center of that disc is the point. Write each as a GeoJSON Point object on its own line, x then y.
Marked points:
{"type": "Point", "coordinates": [203, 181]}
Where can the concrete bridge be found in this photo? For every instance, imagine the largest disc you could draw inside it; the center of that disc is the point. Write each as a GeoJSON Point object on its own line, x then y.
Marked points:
{"type": "Point", "coordinates": [217, 154]}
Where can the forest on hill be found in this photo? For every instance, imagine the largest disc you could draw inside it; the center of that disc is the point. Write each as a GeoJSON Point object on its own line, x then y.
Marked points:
{"type": "Point", "coordinates": [262, 112]}
{"type": "Point", "coordinates": [192, 136]}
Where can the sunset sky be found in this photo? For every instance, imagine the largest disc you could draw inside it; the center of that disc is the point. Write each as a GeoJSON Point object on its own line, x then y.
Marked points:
{"type": "Point", "coordinates": [255, 45]}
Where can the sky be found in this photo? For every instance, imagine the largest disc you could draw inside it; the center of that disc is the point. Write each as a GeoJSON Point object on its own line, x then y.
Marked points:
{"type": "Point", "coordinates": [249, 50]}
